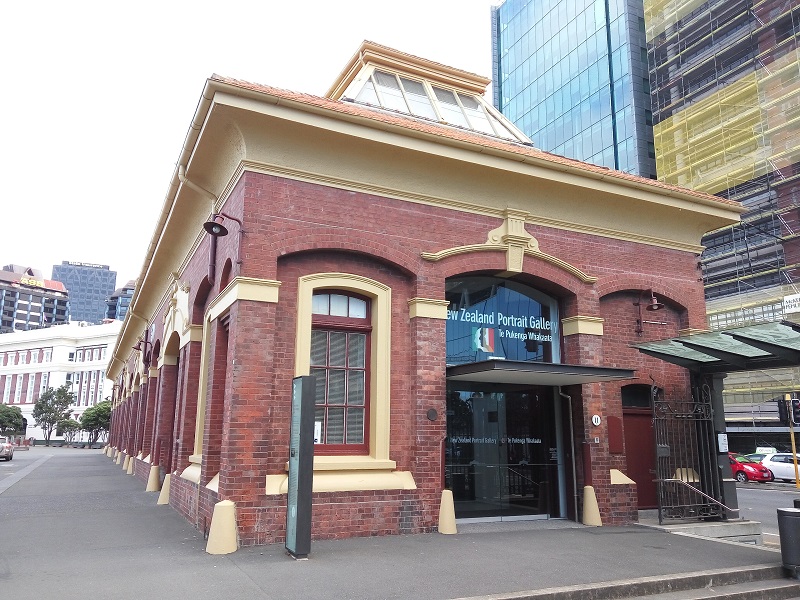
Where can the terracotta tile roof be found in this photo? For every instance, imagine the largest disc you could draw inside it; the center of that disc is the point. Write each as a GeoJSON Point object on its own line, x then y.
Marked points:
{"type": "Point", "coordinates": [453, 133]}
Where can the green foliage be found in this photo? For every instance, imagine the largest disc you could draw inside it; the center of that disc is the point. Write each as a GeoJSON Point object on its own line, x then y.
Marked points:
{"type": "Point", "coordinates": [68, 428]}
{"type": "Point", "coordinates": [96, 420]}
{"type": "Point", "coordinates": [53, 406]}
{"type": "Point", "coordinates": [10, 419]}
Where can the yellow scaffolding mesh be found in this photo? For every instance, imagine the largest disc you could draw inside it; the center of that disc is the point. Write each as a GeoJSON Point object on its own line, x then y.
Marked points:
{"type": "Point", "coordinates": [745, 130]}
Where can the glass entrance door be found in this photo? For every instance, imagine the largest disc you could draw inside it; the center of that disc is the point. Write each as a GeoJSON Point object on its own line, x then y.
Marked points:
{"type": "Point", "coordinates": [501, 460]}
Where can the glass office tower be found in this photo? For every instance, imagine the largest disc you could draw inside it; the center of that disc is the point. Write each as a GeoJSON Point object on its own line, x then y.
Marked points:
{"type": "Point", "coordinates": [89, 285]}
{"type": "Point", "coordinates": [572, 74]}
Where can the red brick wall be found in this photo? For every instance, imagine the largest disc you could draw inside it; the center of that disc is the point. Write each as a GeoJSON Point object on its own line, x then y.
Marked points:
{"type": "Point", "coordinates": [297, 228]}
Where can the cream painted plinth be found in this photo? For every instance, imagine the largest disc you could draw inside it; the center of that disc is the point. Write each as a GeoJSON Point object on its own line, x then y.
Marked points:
{"type": "Point", "coordinates": [447, 514]}
{"type": "Point", "coordinates": [163, 497]}
{"type": "Point", "coordinates": [591, 512]}
{"type": "Point", "coordinates": [222, 535]}
{"type": "Point", "coordinates": [153, 480]}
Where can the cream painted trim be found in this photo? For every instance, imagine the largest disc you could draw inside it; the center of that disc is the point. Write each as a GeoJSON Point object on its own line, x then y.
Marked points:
{"type": "Point", "coordinates": [191, 473]}
{"type": "Point", "coordinates": [581, 324]}
{"type": "Point", "coordinates": [346, 481]}
{"type": "Point", "coordinates": [619, 478]}
{"type": "Point", "coordinates": [427, 307]}
{"type": "Point", "coordinates": [167, 361]}
{"type": "Point", "coordinates": [152, 372]}
{"type": "Point", "coordinates": [213, 485]}
{"type": "Point", "coordinates": [243, 288]}
{"type": "Point", "coordinates": [381, 341]}
{"type": "Point", "coordinates": [565, 266]}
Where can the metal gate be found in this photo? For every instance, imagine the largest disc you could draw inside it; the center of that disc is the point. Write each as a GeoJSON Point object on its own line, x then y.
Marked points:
{"type": "Point", "coordinates": [687, 478]}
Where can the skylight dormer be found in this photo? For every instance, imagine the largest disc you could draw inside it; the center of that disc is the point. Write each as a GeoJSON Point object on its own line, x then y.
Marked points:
{"type": "Point", "coordinates": [383, 78]}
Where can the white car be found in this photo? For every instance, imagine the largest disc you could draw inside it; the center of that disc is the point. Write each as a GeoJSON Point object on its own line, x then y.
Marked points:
{"type": "Point", "coordinates": [6, 449]}
{"type": "Point", "coordinates": [781, 464]}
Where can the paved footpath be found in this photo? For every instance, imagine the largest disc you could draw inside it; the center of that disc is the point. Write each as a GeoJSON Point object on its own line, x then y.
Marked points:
{"type": "Point", "coordinates": [72, 523]}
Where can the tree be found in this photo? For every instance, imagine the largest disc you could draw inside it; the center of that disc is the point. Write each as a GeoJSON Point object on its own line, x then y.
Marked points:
{"type": "Point", "coordinates": [96, 420]}
{"type": "Point", "coordinates": [68, 428]}
{"type": "Point", "coordinates": [10, 419]}
{"type": "Point", "coordinates": [52, 407]}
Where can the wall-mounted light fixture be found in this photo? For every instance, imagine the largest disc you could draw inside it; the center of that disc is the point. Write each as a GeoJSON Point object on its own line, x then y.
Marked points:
{"type": "Point", "coordinates": [215, 228]}
{"type": "Point", "coordinates": [652, 305]}
{"type": "Point", "coordinates": [141, 346]}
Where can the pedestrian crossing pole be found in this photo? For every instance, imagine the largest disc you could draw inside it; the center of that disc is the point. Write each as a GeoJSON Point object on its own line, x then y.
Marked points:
{"type": "Point", "coordinates": [789, 407]}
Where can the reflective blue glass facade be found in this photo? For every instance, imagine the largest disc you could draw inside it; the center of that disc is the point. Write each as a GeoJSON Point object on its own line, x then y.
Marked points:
{"type": "Point", "coordinates": [572, 74]}
{"type": "Point", "coordinates": [89, 285]}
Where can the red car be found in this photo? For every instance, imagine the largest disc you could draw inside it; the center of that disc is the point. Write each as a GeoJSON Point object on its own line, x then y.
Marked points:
{"type": "Point", "coordinates": [744, 470]}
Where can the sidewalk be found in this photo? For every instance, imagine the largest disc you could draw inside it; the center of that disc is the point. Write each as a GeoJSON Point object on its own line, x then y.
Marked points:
{"type": "Point", "coordinates": [74, 523]}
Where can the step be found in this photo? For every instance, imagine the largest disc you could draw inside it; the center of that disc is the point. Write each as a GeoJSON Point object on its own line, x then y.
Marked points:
{"type": "Point", "coordinates": [771, 589]}
{"type": "Point", "coordinates": [681, 584]}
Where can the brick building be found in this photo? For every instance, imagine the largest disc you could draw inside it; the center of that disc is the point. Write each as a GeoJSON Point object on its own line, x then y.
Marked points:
{"type": "Point", "coordinates": [466, 302]}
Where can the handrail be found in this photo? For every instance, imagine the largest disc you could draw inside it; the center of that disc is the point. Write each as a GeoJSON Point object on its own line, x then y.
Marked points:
{"type": "Point", "coordinates": [694, 489]}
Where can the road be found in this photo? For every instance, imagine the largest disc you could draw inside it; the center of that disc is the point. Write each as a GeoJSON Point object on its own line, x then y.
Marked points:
{"type": "Point", "coordinates": [760, 501]}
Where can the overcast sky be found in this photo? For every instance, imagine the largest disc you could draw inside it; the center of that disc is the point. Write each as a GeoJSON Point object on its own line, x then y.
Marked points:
{"type": "Point", "coordinates": [97, 98]}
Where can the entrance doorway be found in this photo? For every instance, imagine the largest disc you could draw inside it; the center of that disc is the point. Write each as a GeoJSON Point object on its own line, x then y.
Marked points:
{"type": "Point", "coordinates": [501, 452]}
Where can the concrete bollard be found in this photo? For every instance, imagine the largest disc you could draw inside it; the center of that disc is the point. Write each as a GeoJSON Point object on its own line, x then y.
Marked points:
{"type": "Point", "coordinates": [222, 536]}
{"type": "Point", "coordinates": [447, 514]}
{"type": "Point", "coordinates": [125, 463]}
{"type": "Point", "coordinates": [153, 480]}
{"type": "Point", "coordinates": [591, 512]}
{"type": "Point", "coordinates": [131, 463]}
{"type": "Point", "coordinates": [163, 497]}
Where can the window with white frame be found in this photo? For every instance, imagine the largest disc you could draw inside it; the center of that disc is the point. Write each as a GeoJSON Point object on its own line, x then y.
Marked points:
{"type": "Point", "coordinates": [29, 391]}
{"type": "Point", "coordinates": [18, 390]}
{"type": "Point", "coordinates": [47, 354]}
{"type": "Point", "coordinates": [34, 356]}
{"type": "Point", "coordinates": [7, 389]}
{"type": "Point", "coordinates": [43, 383]}
{"type": "Point", "coordinates": [79, 358]}
{"type": "Point", "coordinates": [22, 358]}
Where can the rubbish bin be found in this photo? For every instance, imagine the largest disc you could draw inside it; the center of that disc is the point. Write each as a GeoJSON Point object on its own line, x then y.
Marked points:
{"type": "Point", "coordinates": [797, 502]}
{"type": "Point", "coordinates": [789, 531]}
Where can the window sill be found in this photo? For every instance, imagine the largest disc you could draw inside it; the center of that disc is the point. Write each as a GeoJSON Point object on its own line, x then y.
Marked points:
{"type": "Point", "coordinates": [346, 481]}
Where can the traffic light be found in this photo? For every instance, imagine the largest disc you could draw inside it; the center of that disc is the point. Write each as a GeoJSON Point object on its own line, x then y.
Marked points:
{"type": "Point", "coordinates": [783, 411]}
{"type": "Point", "coordinates": [794, 409]}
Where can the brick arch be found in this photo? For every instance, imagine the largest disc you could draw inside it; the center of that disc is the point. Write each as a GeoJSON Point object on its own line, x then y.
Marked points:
{"type": "Point", "coordinates": [636, 283]}
{"type": "Point", "coordinates": [403, 260]}
{"type": "Point", "coordinates": [578, 297]}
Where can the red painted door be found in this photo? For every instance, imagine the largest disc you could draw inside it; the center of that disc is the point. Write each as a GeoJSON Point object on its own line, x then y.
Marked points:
{"type": "Point", "coordinates": [641, 454]}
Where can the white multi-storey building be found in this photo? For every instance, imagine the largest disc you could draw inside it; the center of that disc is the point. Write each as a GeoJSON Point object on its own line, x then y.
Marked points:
{"type": "Point", "coordinates": [76, 353]}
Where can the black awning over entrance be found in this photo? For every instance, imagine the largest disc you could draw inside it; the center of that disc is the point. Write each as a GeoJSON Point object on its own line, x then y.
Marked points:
{"type": "Point", "coordinates": [533, 373]}
{"type": "Point", "coordinates": [755, 347]}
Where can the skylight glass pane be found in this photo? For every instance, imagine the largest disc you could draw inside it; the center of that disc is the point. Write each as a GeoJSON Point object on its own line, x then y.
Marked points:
{"type": "Point", "coordinates": [475, 114]}
{"type": "Point", "coordinates": [367, 94]}
{"type": "Point", "coordinates": [418, 99]}
{"type": "Point", "coordinates": [451, 111]}
{"type": "Point", "coordinates": [389, 91]}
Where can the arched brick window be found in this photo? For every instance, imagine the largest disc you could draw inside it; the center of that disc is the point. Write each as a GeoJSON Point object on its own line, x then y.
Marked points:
{"type": "Point", "coordinates": [340, 351]}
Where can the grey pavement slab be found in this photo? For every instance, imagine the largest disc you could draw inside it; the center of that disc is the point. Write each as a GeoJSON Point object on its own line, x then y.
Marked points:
{"type": "Point", "coordinates": [77, 524]}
